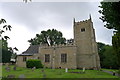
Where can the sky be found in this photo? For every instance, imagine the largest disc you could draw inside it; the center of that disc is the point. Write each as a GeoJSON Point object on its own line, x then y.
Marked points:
{"type": "Point", "coordinates": [29, 19]}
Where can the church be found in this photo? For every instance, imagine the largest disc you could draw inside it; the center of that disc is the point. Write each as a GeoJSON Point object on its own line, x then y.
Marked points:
{"type": "Point", "coordinates": [81, 53]}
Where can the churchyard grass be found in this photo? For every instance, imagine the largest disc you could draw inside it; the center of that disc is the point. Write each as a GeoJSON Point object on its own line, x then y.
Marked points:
{"type": "Point", "coordinates": [55, 73]}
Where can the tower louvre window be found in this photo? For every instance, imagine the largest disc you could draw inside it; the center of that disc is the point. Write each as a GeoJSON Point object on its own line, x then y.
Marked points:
{"type": "Point", "coordinates": [82, 29]}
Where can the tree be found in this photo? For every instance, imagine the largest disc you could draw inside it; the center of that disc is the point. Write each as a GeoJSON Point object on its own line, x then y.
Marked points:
{"type": "Point", "coordinates": [110, 16]}
{"type": "Point", "coordinates": [6, 52]}
{"type": "Point", "coordinates": [70, 41]}
{"type": "Point", "coordinates": [101, 51]}
{"type": "Point", "coordinates": [2, 27]}
{"type": "Point", "coordinates": [49, 37]}
{"type": "Point", "coordinates": [116, 46]}
{"type": "Point", "coordinates": [108, 58]}
{"type": "Point", "coordinates": [26, 1]}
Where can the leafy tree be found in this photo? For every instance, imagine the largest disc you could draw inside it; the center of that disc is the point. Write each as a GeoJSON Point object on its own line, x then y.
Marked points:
{"type": "Point", "coordinates": [69, 41]}
{"type": "Point", "coordinates": [6, 52]}
{"type": "Point", "coordinates": [116, 46]}
{"type": "Point", "coordinates": [3, 26]}
{"type": "Point", "coordinates": [108, 58]}
{"type": "Point", "coordinates": [49, 37]}
{"type": "Point", "coordinates": [101, 51]}
{"type": "Point", "coordinates": [26, 1]}
{"type": "Point", "coordinates": [110, 16]}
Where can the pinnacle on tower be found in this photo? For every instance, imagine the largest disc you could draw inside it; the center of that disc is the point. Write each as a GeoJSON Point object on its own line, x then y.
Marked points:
{"type": "Point", "coordinates": [74, 20]}
{"type": "Point", "coordinates": [90, 17]}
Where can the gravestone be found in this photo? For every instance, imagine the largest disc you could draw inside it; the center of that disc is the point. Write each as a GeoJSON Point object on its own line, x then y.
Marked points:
{"type": "Point", "coordinates": [66, 69]}
{"type": "Point", "coordinates": [33, 69]}
{"type": "Point", "coordinates": [83, 69]}
{"type": "Point", "coordinates": [14, 68]}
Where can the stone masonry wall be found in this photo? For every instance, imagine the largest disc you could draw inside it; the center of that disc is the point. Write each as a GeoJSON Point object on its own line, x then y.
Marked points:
{"type": "Point", "coordinates": [55, 56]}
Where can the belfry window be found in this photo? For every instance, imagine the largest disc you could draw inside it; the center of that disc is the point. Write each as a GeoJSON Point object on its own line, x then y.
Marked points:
{"type": "Point", "coordinates": [82, 29]}
{"type": "Point", "coordinates": [63, 57]}
{"type": "Point", "coordinates": [47, 57]}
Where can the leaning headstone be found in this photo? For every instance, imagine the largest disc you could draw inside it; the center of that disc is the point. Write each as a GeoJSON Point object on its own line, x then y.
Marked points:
{"type": "Point", "coordinates": [33, 69]}
{"type": "Point", "coordinates": [83, 69]}
{"type": "Point", "coordinates": [66, 69]}
{"type": "Point", "coordinates": [11, 76]}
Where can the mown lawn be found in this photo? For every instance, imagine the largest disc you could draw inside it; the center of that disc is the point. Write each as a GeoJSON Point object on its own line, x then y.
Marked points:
{"type": "Point", "coordinates": [55, 73]}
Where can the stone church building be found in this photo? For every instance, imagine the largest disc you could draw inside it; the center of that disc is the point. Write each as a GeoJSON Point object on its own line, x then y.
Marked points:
{"type": "Point", "coordinates": [81, 53]}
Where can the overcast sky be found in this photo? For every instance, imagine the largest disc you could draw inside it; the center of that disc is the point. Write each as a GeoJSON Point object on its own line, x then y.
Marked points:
{"type": "Point", "coordinates": [29, 19]}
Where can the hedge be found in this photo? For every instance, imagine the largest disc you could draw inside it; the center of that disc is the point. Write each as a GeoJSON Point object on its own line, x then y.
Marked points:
{"type": "Point", "coordinates": [34, 63]}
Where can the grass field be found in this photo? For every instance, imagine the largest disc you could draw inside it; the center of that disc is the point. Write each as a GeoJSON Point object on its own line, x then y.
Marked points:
{"type": "Point", "coordinates": [55, 73]}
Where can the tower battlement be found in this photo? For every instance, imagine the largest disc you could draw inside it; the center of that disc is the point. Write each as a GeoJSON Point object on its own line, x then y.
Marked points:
{"type": "Point", "coordinates": [82, 22]}
{"type": "Point", "coordinates": [58, 46]}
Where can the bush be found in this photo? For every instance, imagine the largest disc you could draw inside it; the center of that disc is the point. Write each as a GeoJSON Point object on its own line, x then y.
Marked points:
{"type": "Point", "coordinates": [34, 63]}
{"type": "Point", "coordinates": [118, 72]}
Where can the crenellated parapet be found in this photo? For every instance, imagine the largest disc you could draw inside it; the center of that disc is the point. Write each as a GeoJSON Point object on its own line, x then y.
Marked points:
{"type": "Point", "coordinates": [84, 21]}
{"type": "Point", "coordinates": [58, 46]}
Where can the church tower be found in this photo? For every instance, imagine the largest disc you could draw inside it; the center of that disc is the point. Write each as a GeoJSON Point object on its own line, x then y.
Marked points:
{"type": "Point", "coordinates": [84, 37]}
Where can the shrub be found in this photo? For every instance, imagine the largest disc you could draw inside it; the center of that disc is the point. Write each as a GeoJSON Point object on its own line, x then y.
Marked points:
{"type": "Point", "coordinates": [118, 72]}
{"type": "Point", "coordinates": [34, 63]}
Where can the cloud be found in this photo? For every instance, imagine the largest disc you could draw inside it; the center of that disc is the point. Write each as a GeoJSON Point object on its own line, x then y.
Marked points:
{"type": "Point", "coordinates": [37, 16]}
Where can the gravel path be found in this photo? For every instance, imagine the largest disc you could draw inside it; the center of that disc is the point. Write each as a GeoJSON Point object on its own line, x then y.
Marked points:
{"type": "Point", "coordinates": [110, 72]}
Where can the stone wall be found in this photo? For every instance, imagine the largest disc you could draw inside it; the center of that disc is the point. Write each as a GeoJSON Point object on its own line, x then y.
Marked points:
{"type": "Point", "coordinates": [22, 63]}
{"type": "Point", "coordinates": [55, 56]}
{"type": "Point", "coordinates": [82, 53]}
{"type": "Point", "coordinates": [86, 44]}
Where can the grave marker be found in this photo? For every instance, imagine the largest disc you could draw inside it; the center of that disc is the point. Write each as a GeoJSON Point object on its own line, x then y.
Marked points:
{"type": "Point", "coordinates": [66, 69]}
{"type": "Point", "coordinates": [83, 69]}
{"type": "Point", "coordinates": [14, 68]}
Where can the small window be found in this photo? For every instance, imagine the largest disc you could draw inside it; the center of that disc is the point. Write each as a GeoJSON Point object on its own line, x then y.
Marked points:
{"type": "Point", "coordinates": [47, 57]}
{"type": "Point", "coordinates": [63, 57]}
{"type": "Point", "coordinates": [82, 29]}
{"type": "Point", "coordinates": [24, 59]}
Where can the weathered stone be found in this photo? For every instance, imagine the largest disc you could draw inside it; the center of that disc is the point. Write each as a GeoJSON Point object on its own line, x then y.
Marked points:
{"type": "Point", "coordinates": [82, 54]}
